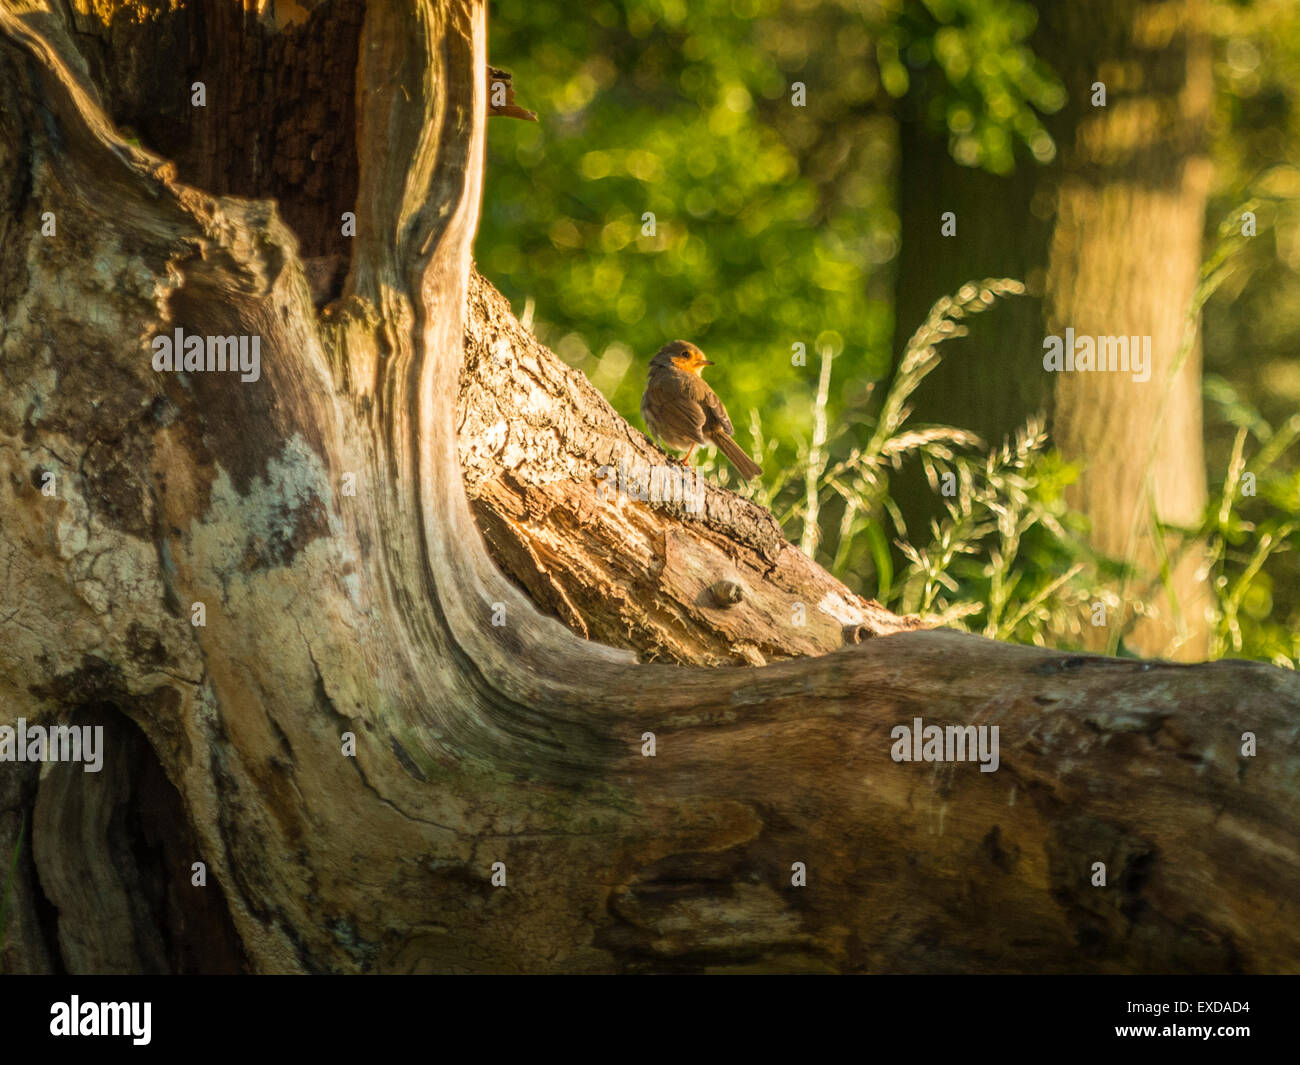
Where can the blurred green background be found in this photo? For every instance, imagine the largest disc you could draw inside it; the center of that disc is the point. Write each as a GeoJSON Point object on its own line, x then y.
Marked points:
{"type": "Point", "coordinates": [778, 225]}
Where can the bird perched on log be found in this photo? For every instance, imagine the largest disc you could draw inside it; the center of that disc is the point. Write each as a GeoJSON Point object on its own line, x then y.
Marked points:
{"type": "Point", "coordinates": [683, 412]}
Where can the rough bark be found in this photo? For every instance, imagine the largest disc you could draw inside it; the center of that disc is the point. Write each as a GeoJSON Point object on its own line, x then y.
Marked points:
{"type": "Point", "coordinates": [520, 742]}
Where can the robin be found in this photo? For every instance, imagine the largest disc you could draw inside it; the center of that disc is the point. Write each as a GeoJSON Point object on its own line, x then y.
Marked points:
{"type": "Point", "coordinates": [683, 412]}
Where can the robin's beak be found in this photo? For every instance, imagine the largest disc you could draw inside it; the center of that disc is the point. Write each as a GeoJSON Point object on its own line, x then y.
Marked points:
{"type": "Point", "coordinates": [707, 362]}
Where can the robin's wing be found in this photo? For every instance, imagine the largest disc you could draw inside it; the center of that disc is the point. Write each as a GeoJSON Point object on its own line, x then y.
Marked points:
{"type": "Point", "coordinates": [715, 413]}
{"type": "Point", "coordinates": [678, 406]}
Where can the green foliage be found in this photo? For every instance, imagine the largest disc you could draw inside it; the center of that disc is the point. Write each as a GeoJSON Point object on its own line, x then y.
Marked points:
{"type": "Point", "coordinates": [771, 220]}
{"type": "Point", "coordinates": [775, 226]}
{"type": "Point", "coordinates": [1009, 559]}
{"type": "Point", "coordinates": [990, 87]}
{"type": "Point", "coordinates": [1250, 327]}
{"type": "Point", "coordinates": [1254, 521]}
{"type": "Point", "coordinates": [1252, 322]}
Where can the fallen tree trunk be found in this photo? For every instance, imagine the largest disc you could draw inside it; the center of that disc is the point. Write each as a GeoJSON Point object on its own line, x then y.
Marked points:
{"type": "Point", "coordinates": [319, 517]}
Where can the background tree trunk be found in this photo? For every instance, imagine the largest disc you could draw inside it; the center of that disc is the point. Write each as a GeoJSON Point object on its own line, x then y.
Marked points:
{"type": "Point", "coordinates": [1125, 260]}
{"type": "Point", "coordinates": [991, 381]}
{"type": "Point", "coordinates": [476, 743]}
{"type": "Point", "coordinates": [1118, 255]}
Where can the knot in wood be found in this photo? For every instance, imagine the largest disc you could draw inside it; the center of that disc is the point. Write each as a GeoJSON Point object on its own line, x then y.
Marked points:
{"type": "Point", "coordinates": [726, 593]}
{"type": "Point", "coordinates": [857, 633]}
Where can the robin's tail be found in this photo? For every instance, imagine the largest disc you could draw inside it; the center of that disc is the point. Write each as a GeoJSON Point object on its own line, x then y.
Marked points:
{"type": "Point", "coordinates": [745, 466]}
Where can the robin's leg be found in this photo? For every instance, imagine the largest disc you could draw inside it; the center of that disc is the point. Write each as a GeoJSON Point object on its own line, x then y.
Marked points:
{"type": "Point", "coordinates": [686, 459]}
